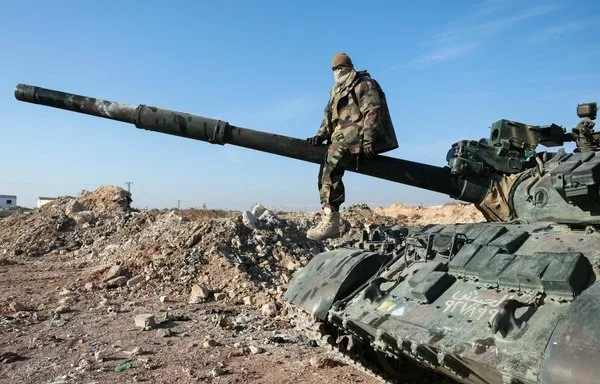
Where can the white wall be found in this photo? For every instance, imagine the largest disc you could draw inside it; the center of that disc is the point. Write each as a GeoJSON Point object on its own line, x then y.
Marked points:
{"type": "Point", "coordinates": [43, 201]}
{"type": "Point", "coordinates": [8, 201]}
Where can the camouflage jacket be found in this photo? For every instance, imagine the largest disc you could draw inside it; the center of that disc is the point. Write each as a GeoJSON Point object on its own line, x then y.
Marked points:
{"type": "Point", "coordinates": [359, 113]}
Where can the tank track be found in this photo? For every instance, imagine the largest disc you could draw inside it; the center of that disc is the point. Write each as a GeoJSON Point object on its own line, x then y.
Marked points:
{"type": "Point", "coordinates": [347, 349]}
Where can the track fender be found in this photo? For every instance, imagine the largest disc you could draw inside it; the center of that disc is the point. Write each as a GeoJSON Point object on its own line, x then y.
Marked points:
{"type": "Point", "coordinates": [331, 276]}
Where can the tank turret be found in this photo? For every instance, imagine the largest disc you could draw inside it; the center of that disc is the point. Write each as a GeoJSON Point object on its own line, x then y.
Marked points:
{"type": "Point", "coordinates": [532, 186]}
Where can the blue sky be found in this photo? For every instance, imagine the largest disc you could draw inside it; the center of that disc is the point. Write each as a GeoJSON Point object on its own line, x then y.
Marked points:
{"type": "Point", "coordinates": [449, 69]}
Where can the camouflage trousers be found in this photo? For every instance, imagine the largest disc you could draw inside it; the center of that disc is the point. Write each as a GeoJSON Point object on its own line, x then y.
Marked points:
{"type": "Point", "coordinates": [331, 187]}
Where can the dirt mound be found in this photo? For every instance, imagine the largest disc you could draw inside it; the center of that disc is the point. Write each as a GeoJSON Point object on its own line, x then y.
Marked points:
{"type": "Point", "coordinates": [107, 199]}
{"type": "Point", "coordinates": [422, 215]}
{"type": "Point", "coordinates": [66, 223]}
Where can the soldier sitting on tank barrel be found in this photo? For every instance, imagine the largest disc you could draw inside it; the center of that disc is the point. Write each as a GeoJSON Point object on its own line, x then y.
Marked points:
{"type": "Point", "coordinates": [357, 124]}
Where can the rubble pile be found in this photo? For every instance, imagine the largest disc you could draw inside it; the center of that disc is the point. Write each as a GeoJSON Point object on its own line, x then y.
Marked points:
{"type": "Point", "coordinates": [237, 257]}
{"type": "Point", "coordinates": [247, 257]}
{"type": "Point", "coordinates": [110, 293]}
{"type": "Point", "coordinates": [65, 224]}
{"type": "Point", "coordinates": [243, 259]}
{"type": "Point", "coordinates": [232, 254]}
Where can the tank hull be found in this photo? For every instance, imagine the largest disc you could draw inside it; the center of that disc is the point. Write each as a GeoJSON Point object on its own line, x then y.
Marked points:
{"type": "Point", "coordinates": [481, 303]}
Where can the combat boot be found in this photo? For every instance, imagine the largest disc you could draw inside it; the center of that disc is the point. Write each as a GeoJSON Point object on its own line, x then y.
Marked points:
{"type": "Point", "coordinates": [328, 227]}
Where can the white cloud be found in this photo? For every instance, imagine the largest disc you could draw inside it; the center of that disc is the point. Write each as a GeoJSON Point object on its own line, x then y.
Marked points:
{"type": "Point", "coordinates": [464, 37]}
{"type": "Point", "coordinates": [479, 30]}
{"type": "Point", "coordinates": [444, 53]}
{"type": "Point", "coordinates": [557, 31]}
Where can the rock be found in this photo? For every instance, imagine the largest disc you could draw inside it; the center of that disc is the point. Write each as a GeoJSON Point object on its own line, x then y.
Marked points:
{"type": "Point", "coordinates": [199, 294]}
{"type": "Point", "coordinates": [62, 309]}
{"type": "Point", "coordinates": [67, 300]}
{"type": "Point", "coordinates": [195, 239]}
{"type": "Point", "coordinates": [276, 340]}
{"type": "Point", "coordinates": [236, 243]}
{"type": "Point", "coordinates": [317, 361]}
{"type": "Point", "coordinates": [114, 272]}
{"type": "Point", "coordinates": [145, 321]}
{"type": "Point", "coordinates": [10, 357]}
{"type": "Point", "coordinates": [290, 266]}
{"type": "Point", "coordinates": [248, 300]}
{"type": "Point", "coordinates": [164, 332]}
{"type": "Point", "coordinates": [103, 302]}
{"type": "Point", "coordinates": [209, 343]}
{"type": "Point", "coordinates": [111, 247]}
{"type": "Point", "coordinates": [74, 206]}
{"type": "Point", "coordinates": [269, 309]}
{"type": "Point", "coordinates": [99, 356]}
{"type": "Point", "coordinates": [260, 300]}
{"type": "Point", "coordinates": [242, 319]}
{"type": "Point", "coordinates": [15, 306]}
{"type": "Point", "coordinates": [217, 371]}
{"type": "Point", "coordinates": [225, 323]}
{"type": "Point", "coordinates": [266, 216]}
{"type": "Point", "coordinates": [256, 350]}
{"type": "Point", "coordinates": [269, 219]}
{"type": "Point", "coordinates": [117, 282]}
{"type": "Point", "coordinates": [220, 296]}
{"type": "Point", "coordinates": [90, 286]}
{"type": "Point", "coordinates": [135, 280]}
{"type": "Point", "coordinates": [83, 365]}
{"type": "Point", "coordinates": [249, 220]}
{"type": "Point", "coordinates": [137, 351]}
{"type": "Point", "coordinates": [258, 210]}
{"type": "Point", "coordinates": [83, 217]}
{"type": "Point", "coordinates": [165, 299]}
{"type": "Point", "coordinates": [322, 362]}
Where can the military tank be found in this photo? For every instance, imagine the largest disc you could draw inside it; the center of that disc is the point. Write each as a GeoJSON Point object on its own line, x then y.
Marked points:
{"type": "Point", "coordinates": [510, 300]}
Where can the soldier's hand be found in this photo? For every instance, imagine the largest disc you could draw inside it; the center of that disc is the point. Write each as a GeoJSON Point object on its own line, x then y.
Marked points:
{"type": "Point", "coordinates": [368, 150]}
{"type": "Point", "coordinates": [316, 140]}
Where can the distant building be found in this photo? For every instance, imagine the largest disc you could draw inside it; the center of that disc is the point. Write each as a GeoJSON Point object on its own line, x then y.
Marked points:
{"type": "Point", "coordinates": [43, 200]}
{"type": "Point", "coordinates": [8, 201]}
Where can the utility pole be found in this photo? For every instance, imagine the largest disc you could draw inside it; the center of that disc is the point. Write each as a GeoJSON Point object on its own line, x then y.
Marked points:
{"type": "Point", "coordinates": [129, 185]}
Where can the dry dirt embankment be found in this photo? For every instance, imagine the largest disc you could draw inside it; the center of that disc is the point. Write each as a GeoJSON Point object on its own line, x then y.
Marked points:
{"type": "Point", "coordinates": [423, 215]}
{"type": "Point", "coordinates": [92, 290]}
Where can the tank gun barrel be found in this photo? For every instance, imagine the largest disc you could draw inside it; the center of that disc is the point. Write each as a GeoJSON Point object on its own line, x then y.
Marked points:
{"type": "Point", "coordinates": [433, 178]}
